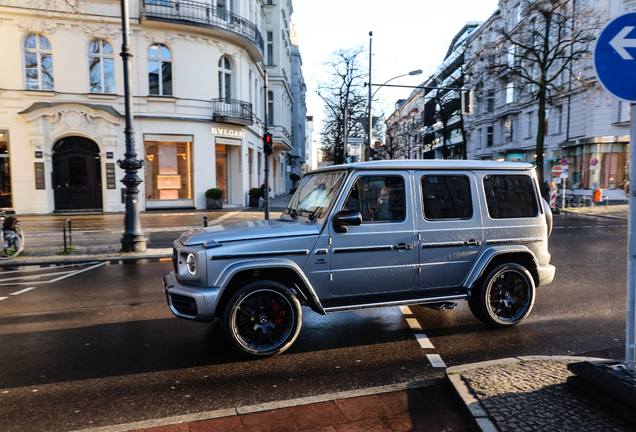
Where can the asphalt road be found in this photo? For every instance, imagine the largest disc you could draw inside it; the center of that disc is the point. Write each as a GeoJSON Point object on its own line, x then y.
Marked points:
{"type": "Point", "coordinates": [96, 345]}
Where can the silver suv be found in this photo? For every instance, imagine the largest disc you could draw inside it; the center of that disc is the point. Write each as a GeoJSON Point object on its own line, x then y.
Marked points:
{"type": "Point", "coordinates": [368, 235]}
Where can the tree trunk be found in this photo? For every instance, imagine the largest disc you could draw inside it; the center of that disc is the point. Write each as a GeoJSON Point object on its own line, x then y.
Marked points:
{"type": "Point", "coordinates": [540, 135]}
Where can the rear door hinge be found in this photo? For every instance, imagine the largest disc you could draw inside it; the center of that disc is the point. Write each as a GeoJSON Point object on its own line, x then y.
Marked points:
{"type": "Point", "coordinates": [330, 277]}
{"type": "Point", "coordinates": [419, 270]}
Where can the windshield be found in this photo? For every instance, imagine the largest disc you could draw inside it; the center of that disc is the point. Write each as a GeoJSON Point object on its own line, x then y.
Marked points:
{"type": "Point", "coordinates": [314, 195]}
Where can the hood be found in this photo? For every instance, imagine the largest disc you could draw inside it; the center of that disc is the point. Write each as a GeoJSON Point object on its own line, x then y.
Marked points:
{"type": "Point", "coordinates": [251, 230]}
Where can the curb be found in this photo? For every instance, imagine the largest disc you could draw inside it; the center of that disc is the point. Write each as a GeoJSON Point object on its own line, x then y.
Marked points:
{"type": "Point", "coordinates": [471, 405]}
{"type": "Point", "coordinates": [231, 412]}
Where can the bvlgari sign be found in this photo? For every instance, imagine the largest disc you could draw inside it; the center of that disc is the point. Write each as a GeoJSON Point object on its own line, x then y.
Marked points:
{"type": "Point", "coordinates": [227, 132]}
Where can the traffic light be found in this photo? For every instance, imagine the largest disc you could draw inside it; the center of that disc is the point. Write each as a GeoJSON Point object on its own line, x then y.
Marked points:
{"type": "Point", "coordinates": [268, 144]}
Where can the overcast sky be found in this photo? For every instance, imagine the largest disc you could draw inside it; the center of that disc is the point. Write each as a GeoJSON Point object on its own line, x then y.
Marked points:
{"type": "Point", "coordinates": [407, 35]}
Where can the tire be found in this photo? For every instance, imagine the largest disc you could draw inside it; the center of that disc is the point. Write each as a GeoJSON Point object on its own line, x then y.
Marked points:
{"type": "Point", "coordinates": [20, 233]}
{"type": "Point", "coordinates": [11, 245]}
{"type": "Point", "coordinates": [262, 319]}
{"type": "Point", "coordinates": [505, 298]}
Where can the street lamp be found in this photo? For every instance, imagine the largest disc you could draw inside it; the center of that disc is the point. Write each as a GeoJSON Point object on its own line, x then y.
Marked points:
{"type": "Point", "coordinates": [133, 239]}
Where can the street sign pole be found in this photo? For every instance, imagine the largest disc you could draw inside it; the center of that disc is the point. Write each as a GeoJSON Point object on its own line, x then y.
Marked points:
{"type": "Point", "coordinates": [630, 343]}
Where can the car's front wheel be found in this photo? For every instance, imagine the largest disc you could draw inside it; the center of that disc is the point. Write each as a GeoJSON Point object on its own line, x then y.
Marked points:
{"type": "Point", "coordinates": [506, 296]}
{"type": "Point", "coordinates": [262, 319]}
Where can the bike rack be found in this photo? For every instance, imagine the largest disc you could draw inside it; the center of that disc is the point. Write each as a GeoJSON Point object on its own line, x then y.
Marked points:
{"type": "Point", "coordinates": [70, 234]}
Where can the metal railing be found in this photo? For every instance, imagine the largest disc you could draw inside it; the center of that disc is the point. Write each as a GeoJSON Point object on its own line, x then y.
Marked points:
{"type": "Point", "coordinates": [203, 15]}
{"type": "Point", "coordinates": [239, 109]}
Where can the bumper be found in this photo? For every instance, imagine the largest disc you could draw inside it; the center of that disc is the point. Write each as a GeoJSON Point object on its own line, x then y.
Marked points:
{"type": "Point", "coordinates": [190, 302]}
{"type": "Point", "coordinates": [546, 274]}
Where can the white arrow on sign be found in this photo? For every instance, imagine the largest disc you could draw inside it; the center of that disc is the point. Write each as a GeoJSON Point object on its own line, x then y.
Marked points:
{"type": "Point", "coordinates": [619, 43]}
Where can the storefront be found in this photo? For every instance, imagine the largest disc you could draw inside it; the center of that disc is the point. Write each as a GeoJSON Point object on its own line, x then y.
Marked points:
{"type": "Point", "coordinates": [6, 198]}
{"type": "Point", "coordinates": [595, 165]}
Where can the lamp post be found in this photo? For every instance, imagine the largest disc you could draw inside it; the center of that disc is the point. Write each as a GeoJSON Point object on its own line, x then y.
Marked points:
{"type": "Point", "coordinates": [370, 134]}
{"type": "Point", "coordinates": [133, 239]}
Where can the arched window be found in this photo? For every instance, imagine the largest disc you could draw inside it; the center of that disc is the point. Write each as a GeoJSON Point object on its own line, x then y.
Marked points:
{"type": "Point", "coordinates": [101, 66]}
{"type": "Point", "coordinates": [38, 63]}
{"type": "Point", "coordinates": [270, 108]}
{"type": "Point", "coordinates": [225, 78]}
{"type": "Point", "coordinates": [160, 70]}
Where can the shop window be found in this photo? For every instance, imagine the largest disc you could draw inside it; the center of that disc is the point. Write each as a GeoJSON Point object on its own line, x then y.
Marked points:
{"type": "Point", "coordinates": [510, 196]}
{"type": "Point", "coordinates": [168, 170]}
{"type": "Point", "coordinates": [222, 164]}
{"type": "Point", "coordinates": [446, 197]}
{"type": "Point", "coordinates": [110, 176]}
{"type": "Point", "coordinates": [38, 63]}
{"type": "Point", "coordinates": [160, 70]}
{"type": "Point", "coordinates": [6, 197]}
{"type": "Point", "coordinates": [39, 176]}
{"type": "Point", "coordinates": [101, 66]}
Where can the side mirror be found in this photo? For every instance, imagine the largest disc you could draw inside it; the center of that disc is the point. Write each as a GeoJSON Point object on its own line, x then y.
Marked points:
{"type": "Point", "coordinates": [344, 218]}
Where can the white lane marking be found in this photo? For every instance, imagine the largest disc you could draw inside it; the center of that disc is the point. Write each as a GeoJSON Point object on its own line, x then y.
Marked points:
{"type": "Point", "coordinates": [38, 276]}
{"type": "Point", "coordinates": [436, 360]}
{"type": "Point", "coordinates": [406, 310]}
{"type": "Point", "coordinates": [414, 324]}
{"type": "Point", "coordinates": [3, 298]}
{"type": "Point", "coordinates": [57, 279]}
{"type": "Point", "coordinates": [22, 291]}
{"type": "Point", "coordinates": [424, 341]}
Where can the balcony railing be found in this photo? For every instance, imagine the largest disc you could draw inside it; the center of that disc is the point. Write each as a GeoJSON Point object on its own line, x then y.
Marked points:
{"type": "Point", "coordinates": [203, 15]}
{"type": "Point", "coordinates": [232, 111]}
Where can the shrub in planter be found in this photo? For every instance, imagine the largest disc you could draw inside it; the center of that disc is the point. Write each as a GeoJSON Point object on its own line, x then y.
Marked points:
{"type": "Point", "coordinates": [214, 198]}
{"type": "Point", "coordinates": [255, 194]}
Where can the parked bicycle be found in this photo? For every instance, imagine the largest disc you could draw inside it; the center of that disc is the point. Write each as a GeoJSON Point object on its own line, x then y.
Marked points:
{"type": "Point", "coordinates": [12, 237]}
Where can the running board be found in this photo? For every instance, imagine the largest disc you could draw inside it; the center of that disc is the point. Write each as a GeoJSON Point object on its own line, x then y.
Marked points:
{"type": "Point", "coordinates": [417, 301]}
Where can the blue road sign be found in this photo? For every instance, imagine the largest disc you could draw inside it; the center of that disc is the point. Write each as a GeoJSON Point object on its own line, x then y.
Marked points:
{"type": "Point", "coordinates": [614, 57]}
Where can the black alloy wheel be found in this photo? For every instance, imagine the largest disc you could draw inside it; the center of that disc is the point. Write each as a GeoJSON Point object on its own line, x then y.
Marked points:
{"type": "Point", "coordinates": [506, 296]}
{"type": "Point", "coordinates": [262, 319]}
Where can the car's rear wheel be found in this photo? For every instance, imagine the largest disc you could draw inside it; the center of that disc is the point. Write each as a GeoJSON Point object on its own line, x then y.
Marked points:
{"type": "Point", "coordinates": [262, 319]}
{"type": "Point", "coordinates": [506, 296]}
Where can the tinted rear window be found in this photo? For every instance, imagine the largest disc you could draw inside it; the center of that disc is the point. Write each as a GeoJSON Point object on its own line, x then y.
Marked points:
{"type": "Point", "coordinates": [446, 197]}
{"type": "Point", "coordinates": [510, 196]}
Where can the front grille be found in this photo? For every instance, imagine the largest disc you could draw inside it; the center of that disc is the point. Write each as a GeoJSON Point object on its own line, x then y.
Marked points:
{"type": "Point", "coordinates": [184, 305]}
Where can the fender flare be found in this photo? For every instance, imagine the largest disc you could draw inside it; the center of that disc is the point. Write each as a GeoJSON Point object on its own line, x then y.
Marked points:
{"type": "Point", "coordinates": [223, 280]}
{"type": "Point", "coordinates": [488, 255]}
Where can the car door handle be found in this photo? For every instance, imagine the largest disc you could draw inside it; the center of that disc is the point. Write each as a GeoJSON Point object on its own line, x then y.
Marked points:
{"type": "Point", "coordinates": [472, 242]}
{"type": "Point", "coordinates": [403, 246]}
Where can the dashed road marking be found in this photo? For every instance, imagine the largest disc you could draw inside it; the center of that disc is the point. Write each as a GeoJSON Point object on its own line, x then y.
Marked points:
{"type": "Point", "coordinates": [406, 310]}
{"type": "Point", "coordinates": [414, 324]}
{"type": "Point", "coordinates": [424, 341]}
{"type": "Point", "coordinates": [3, 298]}
{"type": "Point", "coordinates": [64, 276]}
{"type": "Point", "coordinates": [436, 360]}
{"type": "Point", "coordinates": [22, 291]}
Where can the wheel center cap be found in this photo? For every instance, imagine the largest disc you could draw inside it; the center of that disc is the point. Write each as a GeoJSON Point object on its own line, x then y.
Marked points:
{"type": "Point", "coordinates": [506, 294]}
{"type": "Point", "coordinates": [262, 319]}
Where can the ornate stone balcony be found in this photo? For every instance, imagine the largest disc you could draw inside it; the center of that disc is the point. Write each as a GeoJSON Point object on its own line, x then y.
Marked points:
{"type": "Point", "coordinates": [193, 13]}
{"type": "Point", "coordinates": [232, 111]}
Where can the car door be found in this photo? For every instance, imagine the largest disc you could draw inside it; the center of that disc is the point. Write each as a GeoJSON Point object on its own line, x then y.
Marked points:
{"type": "Point", "coordinates": [449, 223]}
{"type": "Point", "coordinates": [379, 255]}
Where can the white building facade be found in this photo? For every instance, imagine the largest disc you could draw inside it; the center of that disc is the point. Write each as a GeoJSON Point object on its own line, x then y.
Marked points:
{"type": "Point", "coordinates": [198, 88]}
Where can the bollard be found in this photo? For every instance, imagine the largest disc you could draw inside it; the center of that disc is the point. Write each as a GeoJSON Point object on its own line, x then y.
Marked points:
{"type": "Point", "coordinates": [70, 234]}
{"type": "Point", "coordinates": [205, 220]}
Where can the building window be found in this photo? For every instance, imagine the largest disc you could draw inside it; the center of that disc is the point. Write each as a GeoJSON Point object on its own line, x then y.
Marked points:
{"type": "Point", "coordinates": [547, 120]}
{"type": "Point", "coordinates": [101, 67]}
{"type": "Point", "coordinates": [479, 138]}
{"type": "Point", "coordinates": [225, 78]}
{"type": "Point", "coordinates": [508, 131]}
{"type": "Point", "coordinates": [270, 48]}
{"type": "Point", "coordinates": [490, 135]}
{"type": "Point", "coordinates": [491, 101]}
{"type": "Point", "coordinates": [160, 70]}
{"type": "Point", "coordinates": [622, 112]}
{"type": "Point", "coordinates": [511, 56]}
{"type": "Point", "coordinates": [168, 168]}
{"type": "Point", "coordinates": [510, 92]}
{"type": "Point", "coordinates": [270, 108]}
{"type": "Point", "coordinates": [559, 119]}
{"type": "Point", "coordinates": [38, 63]}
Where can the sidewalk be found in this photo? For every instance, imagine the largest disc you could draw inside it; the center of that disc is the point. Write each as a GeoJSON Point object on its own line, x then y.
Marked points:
{"type": "Point", "coordinates": [614, 211]}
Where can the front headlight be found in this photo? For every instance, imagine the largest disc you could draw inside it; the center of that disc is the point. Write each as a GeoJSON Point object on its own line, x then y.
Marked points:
{"type": "Point", "coordinates": [191, 264]}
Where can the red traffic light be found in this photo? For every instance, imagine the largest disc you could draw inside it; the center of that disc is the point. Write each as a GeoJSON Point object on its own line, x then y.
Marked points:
{"type": "Point", "coordinates": [267, 138]}
{"type": "Point", "coordinates": [267, 143]}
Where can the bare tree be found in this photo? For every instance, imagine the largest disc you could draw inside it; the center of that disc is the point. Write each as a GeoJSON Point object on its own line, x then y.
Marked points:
{"type": "Point", "coordinates": [543, 40]}
{"type": "Point", "coordinates": [343, 92]}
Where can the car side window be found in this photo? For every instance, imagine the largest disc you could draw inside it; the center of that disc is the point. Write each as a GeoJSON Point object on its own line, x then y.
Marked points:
{"type": "Point", "coordinates": [377, 198]}
{"type": "Point", "coordinates": [446, 197]}
{"type": "Point", "coordinates": [510, 196]}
